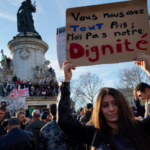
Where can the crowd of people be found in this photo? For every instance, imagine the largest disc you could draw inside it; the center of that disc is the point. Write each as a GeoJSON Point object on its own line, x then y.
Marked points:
{"type": "Point", "coordinates": [111, 124]}
{"type": "Point", "coordinates": [35, 89]}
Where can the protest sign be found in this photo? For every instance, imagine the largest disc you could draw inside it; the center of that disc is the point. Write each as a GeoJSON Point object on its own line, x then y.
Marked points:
{"type": "Point", "coordinates": [20, 93]}
{"type": "Point", "coordinates": [108, 33]}
{"type": "Point", "coordinates": [61, 45]}
{"type": "Point", "coordinates": [15, 104]}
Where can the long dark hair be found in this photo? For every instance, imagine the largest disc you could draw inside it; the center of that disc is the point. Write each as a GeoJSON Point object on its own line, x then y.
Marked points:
{"type": "Point", "coordinates": [128, 127]}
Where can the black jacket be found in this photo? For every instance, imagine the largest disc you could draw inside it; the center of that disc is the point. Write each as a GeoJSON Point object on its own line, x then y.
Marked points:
{"type": "Point", "coordinates": [14, 78]}
{"type": "Point", "coordinates": [35, 128]}
{"type": "Point", "coordinates": [2, 131]}
{"type": "Point", "coordinates": [17, 139]}
{"type": "Point", "coordinates": [73, 128]}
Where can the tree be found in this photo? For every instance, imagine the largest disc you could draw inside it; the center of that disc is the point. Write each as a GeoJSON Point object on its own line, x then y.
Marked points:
{"type": "Point", "coordinates": [86, 88]}
{"type": "Point", "coordinates": [129, 77]}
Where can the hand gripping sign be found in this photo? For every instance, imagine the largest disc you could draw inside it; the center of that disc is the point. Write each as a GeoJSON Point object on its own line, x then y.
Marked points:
{"type": "Point", "coordinates": [108, 33]}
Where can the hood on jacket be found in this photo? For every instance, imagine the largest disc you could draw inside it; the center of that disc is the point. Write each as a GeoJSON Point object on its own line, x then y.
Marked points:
{"type": "Point", "coordinates": [38, 124]}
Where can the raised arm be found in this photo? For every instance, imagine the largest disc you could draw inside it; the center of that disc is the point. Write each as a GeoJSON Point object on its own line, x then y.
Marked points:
{"type": "Point", "coordinates": [71, 126]}
{"type": "Point", "coordinates": [140, 108]}
{"type": "Point", "coordinates": [143, 61]}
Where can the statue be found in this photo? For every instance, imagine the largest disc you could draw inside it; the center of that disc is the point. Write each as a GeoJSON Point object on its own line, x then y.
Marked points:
{"type": "Point", "coordinates": [6, 72]}
{"type": "Point", "coordinates": [24, 17]}
{"type": "Point", "coordinates": [41, 73]}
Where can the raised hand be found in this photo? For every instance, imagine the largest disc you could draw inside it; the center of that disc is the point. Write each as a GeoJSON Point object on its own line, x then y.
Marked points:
{"type": "Point", "coordinates": [135, 95]}
{"type": "Point", "coordinates": [143, 61]}
{"type": "Point", "coordinates": [67, 71]}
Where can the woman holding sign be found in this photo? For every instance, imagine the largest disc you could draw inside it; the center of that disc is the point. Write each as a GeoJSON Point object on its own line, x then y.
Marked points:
{"type": "Point", "coordinates": [114, 126]}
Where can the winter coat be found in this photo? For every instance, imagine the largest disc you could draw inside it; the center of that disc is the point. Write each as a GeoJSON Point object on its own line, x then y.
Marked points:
{"type": "Point", "coordinates": [14, 78]}
{"type": "Point", "coordinates": [2, 131]}
{"type": "Point", "coordinates": [53, 138]}
{"type": "Point", "coordinates": [35, 128]}
{"type": "Point", "coordinates": [17, 139]}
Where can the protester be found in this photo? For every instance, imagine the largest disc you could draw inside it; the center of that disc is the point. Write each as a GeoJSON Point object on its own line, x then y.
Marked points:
{"type": "Point", "coordinates": [7, 114]}
{"type": "Point", "coordinates": [19, 84]}
{"type": "Point", "coordinates": [11, 113]}
{"type": "Point", "coordinates": [44, 117]}
{"type": "Point", "coordinates": [143, 92]}
{"type": "Point", "coordinates": [114, 126]}
{"type": "Point", "coordinates": [52, 87]}
{"type": "Point", "coordinates": [21, 117]}
{"type": "Point", "coordinates": [9, 87]}
{"type": "Point", "coordinates": [5, 125]}
{"type": "Point", "coordinates": [27, 113]}
{"type": "Point", "coordinates": [22, 84]}
{"type": "Point", "coordinates": [88, 113]}
{"type": "Point", "coordinates": [139, 110]}
{"type": "Point", "coordinates": [81, 113]}
{"type": "Point", "coordinates": [5, 84]}
{"type": "Point", "coordinates": [2, 130]}
{"type": "Point", "coordinates": [36, 86]}
{"type": "Point", "coordinates": [32, 93]}
{"type": "Point", "coordinates": [49, 92]}
{"type": "Point", "coordinates": [4, 92]}
{"type": "Point", "coordinates": [43, 93]}
{"type": "Point", "coordinates": [15, 81]}
{"type": "Point", "coordinates": [38, 93]}
{"type": "Point", "coordinates": [16, 138]}
{"type": "Point", "coordinates": [35, 127]}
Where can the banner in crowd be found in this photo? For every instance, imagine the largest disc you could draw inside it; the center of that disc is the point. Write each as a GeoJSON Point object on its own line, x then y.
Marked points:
{"type": "Point", "coordinates": [15, 104]}
{"type": "Point", "coordinates": [108, 33]}
{"type": "Point", "coordinates": [20, 93]}
{"type": "Point", "coordinates": [61, 45]}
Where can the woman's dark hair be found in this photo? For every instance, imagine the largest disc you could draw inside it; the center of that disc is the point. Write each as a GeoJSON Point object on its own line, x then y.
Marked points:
{"type": "Point", "coordinates": [128, 127]}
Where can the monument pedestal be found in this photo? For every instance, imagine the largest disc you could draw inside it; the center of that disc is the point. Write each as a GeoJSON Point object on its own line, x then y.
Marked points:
{"type": "Point", "coordinates": [27, 53]}
{"type": "Point", "coordinates": [40, 101]}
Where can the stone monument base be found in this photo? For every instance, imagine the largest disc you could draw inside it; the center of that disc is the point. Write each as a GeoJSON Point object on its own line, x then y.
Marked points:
{"type": "Point", "coordinates": [40, 102]}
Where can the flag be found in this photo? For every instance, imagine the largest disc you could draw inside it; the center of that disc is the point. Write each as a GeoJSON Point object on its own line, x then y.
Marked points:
{"type": "Point", "coordinates": [31, 110]}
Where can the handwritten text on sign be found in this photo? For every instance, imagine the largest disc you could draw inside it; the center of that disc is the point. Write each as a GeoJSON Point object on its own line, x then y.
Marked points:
{"type": "Point", "coordinates": [107, 33]}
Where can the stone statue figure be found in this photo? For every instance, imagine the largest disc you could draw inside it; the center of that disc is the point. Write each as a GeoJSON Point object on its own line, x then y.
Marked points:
{"type": "Point", "coordinates": [41, 73]}
{"type": "Point", "coordinates": [24, 17]}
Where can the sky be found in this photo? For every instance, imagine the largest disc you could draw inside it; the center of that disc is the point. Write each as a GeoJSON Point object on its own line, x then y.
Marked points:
{"type": "Point", "coordinates": [49, 16]}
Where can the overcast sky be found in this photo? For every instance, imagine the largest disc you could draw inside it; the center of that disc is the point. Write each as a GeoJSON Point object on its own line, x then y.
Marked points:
{"type": "Point", "coordinates": [49, 16]}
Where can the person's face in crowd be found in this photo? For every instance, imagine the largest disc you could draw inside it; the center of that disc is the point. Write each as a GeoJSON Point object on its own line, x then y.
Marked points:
{"type": "Point", "coordinates": [22, 118]}
{"type": "Point", "coordinates": [19, 79]}
{"type": "Point", "coordinates": [109, 109]}
{"type": "Point", "coordinates": [144, 96]}
{"type": "Point", "coordinates": [82, 112]}
{"type": "Point", "coordinates": [15, 75]}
